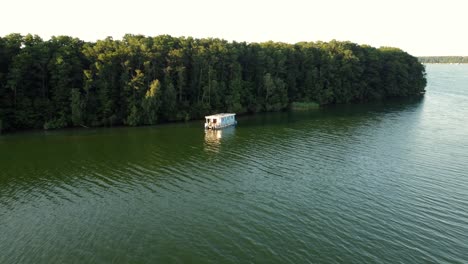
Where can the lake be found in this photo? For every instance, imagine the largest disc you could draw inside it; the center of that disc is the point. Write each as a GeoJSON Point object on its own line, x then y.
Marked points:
{"type": "Point", "coordinates": [368, 183]}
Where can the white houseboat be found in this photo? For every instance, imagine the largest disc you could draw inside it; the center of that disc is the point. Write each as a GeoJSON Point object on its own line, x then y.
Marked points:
{"type": "Point", "coordinates": [219, 121]}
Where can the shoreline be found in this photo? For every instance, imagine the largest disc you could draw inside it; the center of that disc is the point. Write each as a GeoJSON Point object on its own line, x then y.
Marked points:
{"type": "Point", "coordinates": [201, 120]}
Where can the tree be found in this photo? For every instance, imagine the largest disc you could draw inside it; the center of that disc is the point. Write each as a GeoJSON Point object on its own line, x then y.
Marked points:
{"type": "Point", "coordinates": [275, 93]}
{"type": "Point", "coordinates": [68, 82]}
{"type": "Point", "coordinates": [10, 46]}
{"type": "Point", "coordinates": [76, 106]}
{"type": "Point", "coordinates": [168, 107]}
{"type": "Point", "coordinates": [135, 86]}
{"type": "Point", "coordinates": [152, 102]}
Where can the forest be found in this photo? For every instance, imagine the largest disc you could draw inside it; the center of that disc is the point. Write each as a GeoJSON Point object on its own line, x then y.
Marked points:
{"type": "Point", "coordinates": [443, 59]}
{"type": "Point", "coordinates": [141, 80]}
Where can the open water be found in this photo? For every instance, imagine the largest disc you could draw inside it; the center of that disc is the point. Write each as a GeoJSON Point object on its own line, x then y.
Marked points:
{"type": "Point", "coordinates": [369, 183]}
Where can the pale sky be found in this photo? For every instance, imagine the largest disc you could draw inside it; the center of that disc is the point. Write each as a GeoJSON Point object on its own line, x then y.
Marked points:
{"type": "Point", "coordinates": [416, 26]}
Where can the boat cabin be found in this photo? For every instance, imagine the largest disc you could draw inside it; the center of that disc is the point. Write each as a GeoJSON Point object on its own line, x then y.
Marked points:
{"type": "Point", "coordinates": [219, 121]}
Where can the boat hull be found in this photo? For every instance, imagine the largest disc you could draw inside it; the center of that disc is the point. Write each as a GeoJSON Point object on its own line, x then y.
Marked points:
{"type": "Point", "coordinates": [216, 127]}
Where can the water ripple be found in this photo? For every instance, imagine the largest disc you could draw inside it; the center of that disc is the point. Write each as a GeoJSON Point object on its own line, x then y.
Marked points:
{"type": "Point", "coordinates": [377, 183]}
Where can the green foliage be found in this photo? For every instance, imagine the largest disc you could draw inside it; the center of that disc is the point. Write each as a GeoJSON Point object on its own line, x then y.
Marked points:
{"type": "Point", "coordinates": [55, 123]}
{"type": "Point", "coordinates": [133, 118]}
{"type": "Point", "coordinates": [275, 93]}
{"type": "Point", "coordinates": [76, 107]}
{"type": "Point", "coordinates": [169, 102]}
{"type": "Point", "coordinates": [303, 106]}
{"type": "Point", "coordinates": [116, 82]}
{"type": "Point", "coordinates": [151, 103]}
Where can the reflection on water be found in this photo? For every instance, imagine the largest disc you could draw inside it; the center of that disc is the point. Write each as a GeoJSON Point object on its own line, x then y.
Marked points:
{"type": "Point", "coordinates": [214, 138]}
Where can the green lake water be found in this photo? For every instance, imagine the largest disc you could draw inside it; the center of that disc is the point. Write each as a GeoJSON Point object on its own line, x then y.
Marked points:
{"type": "Point", "coordinates": [369, 183]}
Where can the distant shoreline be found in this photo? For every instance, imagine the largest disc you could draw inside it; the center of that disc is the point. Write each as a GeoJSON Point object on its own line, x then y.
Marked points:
{"type": "Point", "coordinates": [455, 63]}
{"type": "Point", "coordinates": [444, 59]}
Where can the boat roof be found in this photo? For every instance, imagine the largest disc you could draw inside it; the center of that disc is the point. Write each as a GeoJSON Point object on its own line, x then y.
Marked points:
{"type": "Point", "coordinates": [220, 115]}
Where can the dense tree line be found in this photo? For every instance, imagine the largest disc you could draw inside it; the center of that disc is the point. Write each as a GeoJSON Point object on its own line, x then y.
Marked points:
{"type": "Point", "coordinates": [142, 80]}
{"type": "Point", "coordinates": [443, 59]}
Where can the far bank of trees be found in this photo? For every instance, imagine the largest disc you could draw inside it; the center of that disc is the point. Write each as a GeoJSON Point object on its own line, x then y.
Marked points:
{"type": "Point", "coordinates": [140, 80]}
{"type": "Point", "coordinates": [443, 59]}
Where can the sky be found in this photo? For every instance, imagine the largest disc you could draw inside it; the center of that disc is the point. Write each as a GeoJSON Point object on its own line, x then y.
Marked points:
{"type": "Point", "coordinates": [421, 28]}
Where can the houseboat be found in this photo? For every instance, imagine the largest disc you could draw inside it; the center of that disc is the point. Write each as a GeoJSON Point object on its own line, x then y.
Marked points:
{"type": "Point", "coordinates": [219, 121]}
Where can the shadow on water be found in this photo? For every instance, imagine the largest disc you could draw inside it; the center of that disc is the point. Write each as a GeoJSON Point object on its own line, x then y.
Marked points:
{"type": "Point", "coordinates": [61, 155]}
{"type": "Point", "coordinates": [333, 111]}
{"type": "Point", "coordinates": [103, 160]}
{"type": "Point", "coordinates": [337, 117]}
